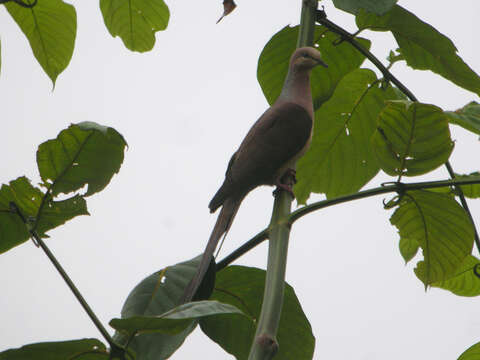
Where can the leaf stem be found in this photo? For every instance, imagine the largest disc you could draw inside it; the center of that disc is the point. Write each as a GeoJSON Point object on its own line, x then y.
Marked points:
{"type": "Point", "coordinates": [321, 18]}
{"type": "Point", "coordinates": [305, 210]}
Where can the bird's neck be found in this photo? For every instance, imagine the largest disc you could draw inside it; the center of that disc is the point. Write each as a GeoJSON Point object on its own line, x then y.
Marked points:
{"type": "Point", "coordinates": [296, 89]}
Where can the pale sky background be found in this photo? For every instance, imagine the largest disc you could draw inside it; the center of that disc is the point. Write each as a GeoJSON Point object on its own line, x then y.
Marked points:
{"type": "Point", "coordinates": [183, 109]}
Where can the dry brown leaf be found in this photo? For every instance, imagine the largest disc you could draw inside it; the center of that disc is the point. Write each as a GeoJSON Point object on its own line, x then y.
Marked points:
{"type": "Point", "coordinates": [228, 7]}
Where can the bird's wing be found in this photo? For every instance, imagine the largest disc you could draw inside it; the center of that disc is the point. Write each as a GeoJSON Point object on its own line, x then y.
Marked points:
{"type": "Point", "coordinates": [278, 136]}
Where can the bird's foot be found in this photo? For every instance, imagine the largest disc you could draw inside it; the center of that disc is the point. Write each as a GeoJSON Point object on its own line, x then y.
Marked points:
{"type": "Point", "coordinates": [284, 187]}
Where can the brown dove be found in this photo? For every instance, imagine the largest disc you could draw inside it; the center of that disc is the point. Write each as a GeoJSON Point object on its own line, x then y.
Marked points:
{"type": "Point", "coordinates": [270, 149]}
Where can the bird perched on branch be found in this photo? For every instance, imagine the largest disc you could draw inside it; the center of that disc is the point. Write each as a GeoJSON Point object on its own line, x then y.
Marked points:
{"type": "Point", "coordinates": [270, 149]}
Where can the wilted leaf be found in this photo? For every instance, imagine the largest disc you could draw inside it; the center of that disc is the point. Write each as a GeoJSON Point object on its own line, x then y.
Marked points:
{"type": "Point", "coordinates": [378, 7]}
{"type": "Point", "coordinates": [274, 59]}
{"type": "Point", "coordinates": [50, 27]}
{"type": "Point", "coordinates": [85, 153]}
{"type": "Point", "coordinates": [441, 227]}
{"type": "Point", "coordinates": [340, 159]}
{"type": "Point", "coordinates": [135, 21]}
{"type": "Point", "coordinates": [467, 117]}
{"type": "Point", "coordinates": [464, 282]}
{"type": "Point", "coordinates": [411, 138]}
{"type": "Point", "coordinates": [423, 47]}
{"type": "Point", "coordinates": [243, 287]}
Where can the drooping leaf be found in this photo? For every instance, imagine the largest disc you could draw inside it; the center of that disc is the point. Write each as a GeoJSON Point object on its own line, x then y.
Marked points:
{"type": "Point", "coordinates": [378, 7]}
{"type": "Point", "coordinates": [50, 27]}
{"type": "Point", "coordinates": [29, 200]}
{"type": "Point", "coordinates": [274, 59]}
{"type": "Point", "coordinates": [154, 296]}
{"type": "Point", "coordinates": [243, 287]}
{"type": "Point", "coordinates": [411, 138]}
{"type": "Point", "coordinates": [174, 321]}
{"type": "Point", "coordinates": [408, 248]}
{"type": "Point", "coordinates": [340, 160]}
{"type": "Point", "coordinates": [441, 227]}
{"type": "Point", "coordinates": [135, 21]}
{"type": "Point", "coordinates": [423, 47]}
{"type": "Point", "coordinates": [467, 117]}
{"type": "Point", "coordinates": [464, 282]}
{"type": "Point", "coordinates": [472, 353]}
{"type": "Point", "coordinates": [84, 153]}
{"type": "Point", "coordinates": [85, 349]}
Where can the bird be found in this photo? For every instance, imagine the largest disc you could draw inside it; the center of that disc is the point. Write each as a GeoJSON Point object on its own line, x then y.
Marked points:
{"type": "Point", "coordinates": [269, 150]}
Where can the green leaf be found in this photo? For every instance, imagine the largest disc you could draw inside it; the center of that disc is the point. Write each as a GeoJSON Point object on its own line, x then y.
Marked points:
{"type": "Point", "coordinates": [441, 227]}
{"type": "Point", "coordinates": [154, 296]}
{"type": "Point", "coordinates": [340, 160]}
{"type": "Point", "coordinates": [50, 27]}
{"type": "Point", "coordinates": [472, 353]}
{"type": "Point", "coordinates": [464, 282]}
{"type": "Point", "coordinates": [411, 138]}
{"type": "Point", "coordinates": [29, 200]}
{"type": "Point", "coordinates": [85, 153]}
{"type": "Point", "coordinates": [423, 47]}
{"type": "Point", "coordinates": [135, 21]}
{"type": "Point", "coordinates": [274, 59]}
{"type": "Point", "coordinates": [174, 321]}
{"type": "Point", "coordinates": [470, 191]}
{"type": "Point", "coordinates": [243, 287]}
{"type": "Point", "coordinates": [408, 248]}
{"type": "Point", "coordinates": [84, 349]}
{"type": "Point", "coordinates": [378, 7]}
{"type": "Point", "coordinates": [467, 117]}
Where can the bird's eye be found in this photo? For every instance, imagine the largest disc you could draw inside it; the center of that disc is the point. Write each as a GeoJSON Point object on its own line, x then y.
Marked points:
{"type": "Point", "coordinates": [305, 55]}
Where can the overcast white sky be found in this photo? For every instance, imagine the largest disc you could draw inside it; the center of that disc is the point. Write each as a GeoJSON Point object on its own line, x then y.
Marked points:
{"type": "Point", "coordinates": [184, 108]}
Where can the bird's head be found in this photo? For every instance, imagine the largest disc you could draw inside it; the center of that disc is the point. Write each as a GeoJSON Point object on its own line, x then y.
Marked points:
{"type": "Point", "coordinates": [306, 58]}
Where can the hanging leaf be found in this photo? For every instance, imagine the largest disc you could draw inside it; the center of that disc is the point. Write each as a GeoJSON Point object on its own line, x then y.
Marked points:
{"type": "Point", "coordinates": [411, 138]}
{"type": "Point", "coordinates": [84, 154]}
{"type": "Point", "coordinates": [50, 27]}
{"type": "Point", "coordinates": [340, 160]}
{"type": "Point", "coordinates": [441, 227]}
{"type": "Point", "coordinates": [423, 47]}
{"type": "Point", "coordinates": [465, 281]}
{"type": "Point", "coordinates": [135, 21]}
{"type": "Point", "coordinates": [467, 117]}
{"type": "Point", "coordinates": [243, 288]}
{"type": "Point", "coordinates": [29, 200]}
{"type": "Point", "coordinates": [274, 59]}
{"type": "Point", "coordinates": [378, 7]}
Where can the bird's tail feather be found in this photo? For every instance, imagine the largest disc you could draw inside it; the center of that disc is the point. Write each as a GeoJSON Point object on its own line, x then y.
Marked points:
{"type": "Point", "coordinates": [224, 221]}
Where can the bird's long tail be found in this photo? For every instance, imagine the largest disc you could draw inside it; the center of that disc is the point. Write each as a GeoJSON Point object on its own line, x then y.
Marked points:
{"type": "Point", "coordinates": [224, 221]}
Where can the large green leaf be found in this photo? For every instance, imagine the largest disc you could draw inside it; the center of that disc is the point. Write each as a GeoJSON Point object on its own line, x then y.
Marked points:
{"type": "Point", "coordinates": [422, 46]}
{"type": "Point", "coordinates": [85, 153]}
{"type": "Point", "coordinates": [243, 287]}
{"type": "Point", "coordinates": [411, 138]}
{"type": "Point", "coordinates": [13, 231]}
{"type": "Point", "coordinates": [467, 117]}
{"type": "Point", "coordinates": [441, 227]}
{"type": "Point", "coordinates": [274, 59]}
{"type": "Point", "coordinates": [50, 27]}
{"type": "Point", "coordinates": [340, 159]}
{"type": "Point", "coordinates": [135, 21]}
{"type": "Point", "coordinates": [472, 353]}
{"type": "Point", "coordinates": [84, 349]}
{"type": "Point", "coordinates": [154, 296]}
{"type": "Point", "coordinates": [465, 282]}
{"type": "Point", "coordinates": [173, 321]}
{"type": "Point", "coordinates": [378, 7]}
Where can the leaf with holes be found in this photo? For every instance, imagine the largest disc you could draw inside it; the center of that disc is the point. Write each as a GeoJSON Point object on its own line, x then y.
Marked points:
{"type": "Point", "coordinates": [411, 138]}
{"type": "Point", "coordinates": [467, 117]}
{"type": "Point", "coordinates": [44, 215]}
{"type": "Point", "coordinates": [378, 7]}
{"type": "Point", "coordinates": [135, 21]}
{"type": "Point", "coordinates": [340, 160]}
{"type": "Point", "coordinates": [465, 282]}
{"type": "Point", "coordinates": [274, 59]}
{"type": "Point", "coordinates": [85, 349]}
{"type": "Point", "coordinates": [85, 153]}
{"type": "Point", "coordinates": [243, 287]}
{"type": "Point", "coordinates": [423, 47]}
{"type": "Point", "coordinates": [441, 227]}
{"type": "Point", "coordinates": [50, 27]}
